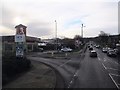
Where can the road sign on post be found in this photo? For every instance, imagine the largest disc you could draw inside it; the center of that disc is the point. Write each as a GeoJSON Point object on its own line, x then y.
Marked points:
{"type": "Point", "coordinates": [20, 40]}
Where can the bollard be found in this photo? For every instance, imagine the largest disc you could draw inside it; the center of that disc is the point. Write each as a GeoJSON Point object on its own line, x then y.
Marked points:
{"type": "Point", "coordinates": [66, 54]}
{"type": "Point", "coordinates": [52, 54]}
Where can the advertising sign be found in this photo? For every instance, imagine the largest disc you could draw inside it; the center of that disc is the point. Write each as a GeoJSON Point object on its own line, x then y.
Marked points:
{"type": "Point", "coordinates": [19, 38]}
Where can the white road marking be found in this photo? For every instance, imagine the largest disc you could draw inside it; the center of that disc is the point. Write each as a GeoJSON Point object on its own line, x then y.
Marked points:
{"type": "Point", "coordinates": [118, 84]}
{"type": "Point", "coordinates": [71, 82]}
{"type": "Point", "coordinates": [64, 63]}
{"type": "Point", "coordinates": [113, 61]}
{"type": "Point", "coordinates": [115, 75]}
{"type": "Point", "coordinates": [117, 63]}
{"type": "Point", "coordinates": [105, 60]}
{"type": "Point", "coordinates": [114, 81]}
{"type": "Point", "coordinates": [98, 54]}
{"type": "Point", "coordinates": [104, 66]}
{"type": "Point", "coordinates": [99, 59]}
{"type": "Point", "coordinates": [73, 78]}
{"type": "Point", "coordinates": [113, 69]}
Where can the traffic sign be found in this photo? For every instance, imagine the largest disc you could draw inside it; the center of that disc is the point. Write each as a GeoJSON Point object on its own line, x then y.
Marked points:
{"type": "Point", "coordinates": [20, 38]}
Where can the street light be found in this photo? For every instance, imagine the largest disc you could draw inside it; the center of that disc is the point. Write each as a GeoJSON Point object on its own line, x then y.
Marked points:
{"type": "Point", "coordinates": [82, 30]}
{"type": "Point", "coordinates": [56, 33]}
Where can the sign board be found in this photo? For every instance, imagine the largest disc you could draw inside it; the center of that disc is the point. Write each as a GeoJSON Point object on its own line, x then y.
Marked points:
{"type": "Point", "coordinates": [19, 38]}
{"type": "Point", "coordinates": [19, 49]}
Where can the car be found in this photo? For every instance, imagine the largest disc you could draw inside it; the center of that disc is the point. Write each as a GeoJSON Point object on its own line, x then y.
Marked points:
{"type": "Point", "coordinates": [41, 49]}
{"type": "Point", "coordinates": [97, 46]}
{"type": "Point", "coordinates": [104, 50]}
{"type": "Point", "coordinates": [90, 48]}
{"type": "Point", "coordinates": [111, 53]}
{"type": "Point", "coordinates": [108, 49]}
{"type": "Point", "coordinates": [116, 50]}
{"type": "Point", "coordinates": [93, 53]}
{"type": "Point", "coordinates": [66, 49]}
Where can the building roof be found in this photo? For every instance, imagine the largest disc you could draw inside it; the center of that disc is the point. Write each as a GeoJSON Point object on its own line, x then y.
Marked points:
{"type": "Point", "coordinates": [12, 39]}
{"type": "Point", "coordinates": [20, 25]}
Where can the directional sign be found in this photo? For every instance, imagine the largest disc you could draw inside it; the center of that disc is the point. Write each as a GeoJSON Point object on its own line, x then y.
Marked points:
{"type": "Point", "coordinates": [19, 38]}
{"type": "Point", "coordinates": [19, 49]}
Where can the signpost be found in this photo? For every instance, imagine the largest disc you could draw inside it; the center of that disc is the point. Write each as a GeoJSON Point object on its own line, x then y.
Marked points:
{"type": "Point", "coordinates": [20, 40]}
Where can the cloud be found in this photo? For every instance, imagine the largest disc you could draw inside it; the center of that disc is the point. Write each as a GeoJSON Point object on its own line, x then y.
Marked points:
{"type": "Point", "coordinates": [39, 16]}
{"type": "Point", "coordinates": [39, 29]}
{"type": "Point", "coordinates": [7, 18]}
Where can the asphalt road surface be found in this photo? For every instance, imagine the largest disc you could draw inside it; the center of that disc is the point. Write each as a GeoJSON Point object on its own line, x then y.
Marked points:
{"type": "Point", "coordinates": [85, 72]}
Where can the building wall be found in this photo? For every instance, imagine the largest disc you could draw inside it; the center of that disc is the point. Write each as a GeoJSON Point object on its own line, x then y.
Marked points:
{"type": "Point", "coordinates": [9, 46]}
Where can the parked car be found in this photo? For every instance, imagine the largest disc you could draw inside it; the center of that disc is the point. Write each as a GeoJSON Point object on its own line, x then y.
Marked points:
{"type": "Point", "coordinates": [66, 49]}
{"type": "Point", "coordinates": [108, 49]}
{"type": "Point", "coordinates": [111, 53]}
{"type": "Point", "coordinates": [104, 50]}
{"type": "Point", "coordinates": [90, 48]}
{"type": "Point", "coordinates": [97, 46]}
{"type": "Point", "coordinates": [116, 50]}
{"type": "Point", "coordinates": [93, 53]}
{"type": "Point", "coordinates": [41, 49]}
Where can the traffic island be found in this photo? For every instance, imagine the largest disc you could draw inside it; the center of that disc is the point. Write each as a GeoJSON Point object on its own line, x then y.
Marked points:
{"type": "Point", "coordinates": [39, 76]}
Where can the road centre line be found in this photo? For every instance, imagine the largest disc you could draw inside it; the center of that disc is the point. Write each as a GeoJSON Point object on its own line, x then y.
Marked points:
{"type": "Point", "coordinates": [76, 73]}
{"type": "Point", "coordinates": [73, 78]}
{"type": "Point", "coordinates": [71, 82]}
{"type": "Point", "coordinates": [114, 81]}
{"type": "Point", "coordinates": [115, 75]}
{"type": "Point", "coordinates": [99, 59]}
{"type": "Point", "coordinates": [104, 66]}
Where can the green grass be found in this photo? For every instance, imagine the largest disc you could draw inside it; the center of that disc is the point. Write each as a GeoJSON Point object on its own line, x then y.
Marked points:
{"type": "Point", "coordinates": [12, 66]}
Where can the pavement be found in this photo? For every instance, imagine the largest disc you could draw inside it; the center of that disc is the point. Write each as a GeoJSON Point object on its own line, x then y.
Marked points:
{"type": "Point", "coordinates": [39, 76]}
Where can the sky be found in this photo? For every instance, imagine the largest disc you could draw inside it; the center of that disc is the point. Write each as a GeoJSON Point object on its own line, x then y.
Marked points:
{"type": "Point", "coordinates": [39, 16]}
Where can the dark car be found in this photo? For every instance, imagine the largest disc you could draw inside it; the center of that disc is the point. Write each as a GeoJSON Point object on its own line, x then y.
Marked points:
{"type": "Point", "coordinates": [93, 53]}
{"type": "Point", "coordinates": [90, 48]}
{"type": "Point", "coordinates": [111, 53]}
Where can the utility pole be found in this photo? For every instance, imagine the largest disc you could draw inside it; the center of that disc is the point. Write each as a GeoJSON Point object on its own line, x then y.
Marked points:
{"type": "Point", "coordinates": [56, 33]}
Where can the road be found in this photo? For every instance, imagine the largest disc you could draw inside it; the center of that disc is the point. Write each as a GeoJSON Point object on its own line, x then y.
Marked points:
{"type": "Point", "coordinates": [85, 72]}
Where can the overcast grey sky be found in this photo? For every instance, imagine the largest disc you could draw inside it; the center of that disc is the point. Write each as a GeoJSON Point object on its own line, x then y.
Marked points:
{"type": "Point", "coordinates": [40, 15]}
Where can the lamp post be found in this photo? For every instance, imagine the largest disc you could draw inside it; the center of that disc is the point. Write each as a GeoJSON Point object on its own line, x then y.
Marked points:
{"type": "Point", "coordinates": [82, 30]}
{"type": "Point", "coordinates": [82, 33]}
{"type": "Point", "coordinates": [56, 33]}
